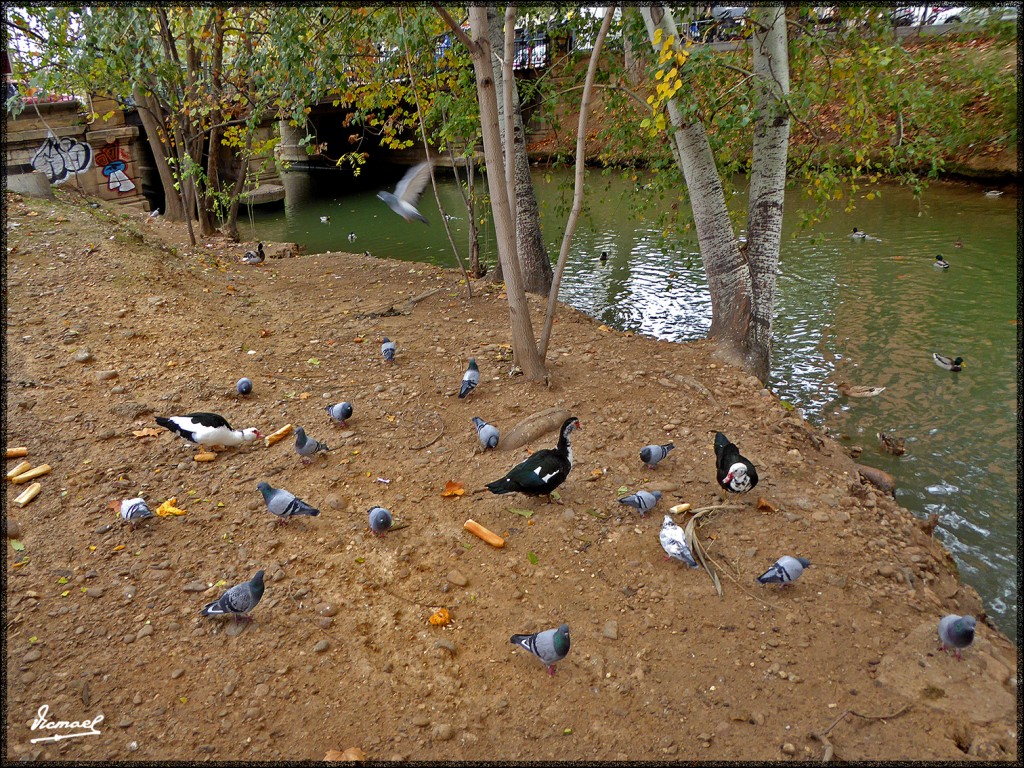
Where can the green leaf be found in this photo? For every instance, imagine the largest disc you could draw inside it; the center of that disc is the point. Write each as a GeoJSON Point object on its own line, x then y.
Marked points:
{"type": "Point", "coordinates": [527, 513]}
{"type": "Point", "coordinates": [532, 558]}
{"type": "Point", "coordinates": [555, 495]}
{"type": "Point", "coordinates": [623, 490]}
{"type": "Point", "coordinates": [360, 560]}
{"type": "Point", "coordinates": [62, 580]}
{"type": "Point", "coordinates": [33, 639]}
{"type": "Point", "coordinates": [17, 545]}
{"type": "Point", "coordinates": [313, 361]}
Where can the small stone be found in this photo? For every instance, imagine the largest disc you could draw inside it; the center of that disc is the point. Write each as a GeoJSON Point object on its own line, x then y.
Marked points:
{"type": "Point", "coordinates": [145, 631]}
{"type": "Point", "coordinates": [444, 732]}
{"type": "Point", "coordinates": [328, 610]}
{"type": "Point", "coordinates": [229, 688]}
{"type": "Point", "coordinates": [103, 528]}
{"type": "Point", "coordinates": [456, 578]}
{"type": "Point", "coordinates": [83, 356]}
{"type": "Point", "coordinates": [106, 434]}
{"type": "Point", "coordinates": [128, 639]}
{"type": "Point", "coordinates": [611, 630]}
{"type": "Point", "coordinates": [820, 517]}
{"type": "Point", "coordinates": [194, 586]}
{"type": "Point", "coordinates": [28, 678]}
{"type": "Point", "coordinates": [448, 645]}
{"type": "Point", "coordinates": [421, 721]}
{"type": "Point", "coordinates": [262, 690]}
{"type": "Point", "coordinates": [94, 591]}
{"type": "Point", "coordinates": [322, 646]}
{"type": "Point", "coordinates": [124, 722]}
{"type": "Point", "coordinates": [117, 390]}
{"type": "Point", "coordinates": [788, 749]}
{"type": "Point", "coordinates": [32, 655]}
{"type": "Point", "coordinates": [326, 622]}
{"type": "Point", "coordinates": [177, 673]}
{"type": "Point", "coordinates": [105, 375]}
{"type": "Point", "coordinates": [12, 529]}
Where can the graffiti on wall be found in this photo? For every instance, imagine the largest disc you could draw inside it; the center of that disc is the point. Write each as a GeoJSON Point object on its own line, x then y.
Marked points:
{"type": "Point", "coordinates": [59, 158]}
{"type": "Point", "coordinates": [114, 161]}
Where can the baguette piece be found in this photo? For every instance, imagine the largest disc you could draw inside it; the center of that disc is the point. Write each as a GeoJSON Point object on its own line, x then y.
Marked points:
{"type": "Point", "coordinates": [28, 494]}
{"type": "Point", "coordinates": [489, 536]}
{"type": "Point", "coordinates": [274, 437]}
{"type": "Point", "coordinates": [16, 453]}
{"type": "Point", "coordinates": [22, 466]}
{"type": "Point", "coordinates": [31, 474]}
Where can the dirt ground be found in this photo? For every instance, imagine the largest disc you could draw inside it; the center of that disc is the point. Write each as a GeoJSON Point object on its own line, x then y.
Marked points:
{"type": "Point", "coordinates": [101, 619]}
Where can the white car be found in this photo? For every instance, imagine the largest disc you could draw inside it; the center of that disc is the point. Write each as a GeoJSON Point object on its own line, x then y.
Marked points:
{"type": "Point", "coordinates": [918, 15]}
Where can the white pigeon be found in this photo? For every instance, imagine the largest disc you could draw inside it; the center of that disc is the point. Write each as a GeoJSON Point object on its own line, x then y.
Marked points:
{"type": "Point", "coordinates": [488, 433]}
{"type": "Point", "coordinates": [785, 571]}
{"type": "Point", "coordinates": [642, 501]}
{"type": "Point", "coordinates": [407, 193]}
{"type": "Point", "coordinates": [673, 541]}
{"type": "Point", "coordinates": [208, 429]}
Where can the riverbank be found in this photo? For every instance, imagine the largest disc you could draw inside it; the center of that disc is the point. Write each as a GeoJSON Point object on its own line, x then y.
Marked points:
{"type": "Point", "coordinates": [102, 619]}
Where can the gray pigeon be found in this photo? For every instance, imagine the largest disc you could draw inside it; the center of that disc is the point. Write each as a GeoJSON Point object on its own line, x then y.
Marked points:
{"type": "Point", "coordinates": [340, 412]}
{"type": "Point", "coordinates": [134, 511]}
{"type": "Point", "coordinates": [387, 349]}
{"type": "Point", "coordinates": [238, 600]}
{"type": "Point", "coordinates": [673, 541]}
{"type": "Point", "coordinates": [285, 504]}
{"type": "Point", "coordinates": [956, 632]}
{"type": "Point", "coordinates": [641, 501]}
{"type": "Point", "coordinates": [652, 454]}
{"type": "Point", "coordinates": [307, 446]}
{"type": "Point", "coordinates": [407, 193]}
{"type": "Point", "coordinates": [488, 433]}
{"type": "Point", "coordinates": [380, 520]}
{"type": "Point", "coordinates": [785, 571]}
{"type": "Point", "coordinates": [470, 379]}
{"type": "Point", "coordinates": [549, 646]}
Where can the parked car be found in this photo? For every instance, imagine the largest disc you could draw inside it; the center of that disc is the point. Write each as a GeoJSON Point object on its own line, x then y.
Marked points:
{"type": "Point", "coordinates": [912, 16]}
{"type": "Point", "coordinates": [1002, 13]}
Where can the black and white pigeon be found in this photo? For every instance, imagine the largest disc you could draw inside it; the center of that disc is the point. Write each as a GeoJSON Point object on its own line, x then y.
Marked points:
{"type": "Point", "coordinates": [470, 379]}
{"type": "Point", "coordinates": [387, 350]}
{"type": "Point", "coordinates": [208, 429]}
{"type": "Point", "coordinates": [550, 646]}
{"type": "Point", "coordinates": [340, 413]}
{"type": "Point", "coordinates": [785, 571]}
{"type": "Point", "coordinates": [652, 454]}
{"type": "Point", "coordinates": [238, 600]}
{"type": "Point", "coordinates": [641, 501]}
{"type": "Point", "coordinates": [325, 219]}
{"type": "Point", "coordinates": [544, 470]}
{"type": "Point", "coordinates": [407, 193]}
{"type": "Point", "coordinates": [134, 511]}
{"type": "Point", "coordinates": [351, 237]}
{"type": "Point", "coordinates": [734, 472]}
{"type": "Point", "coordinates": [307, 446]}
{"type": "Point", "coordinates": [673, 541]}
{"type": "Point", "coordinates": [956, 632]}
{"type": "Point", "coordinates": [488, 433]}
{"type": "Point", "coordinates": [380, 520]}
{"type": "Point", "coordinates": [285, 504]}
{"type": "Point", "coordinates": [255, 257]}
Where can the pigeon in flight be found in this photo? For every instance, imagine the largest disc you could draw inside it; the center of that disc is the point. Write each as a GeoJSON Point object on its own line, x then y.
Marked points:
{"type": "Point", "coordinates": [307, 446]}
{"type": "Point", "coordinates": [642, 501]}
{"type": "Point", "coordinates": [134, 511]}
{"type": "Point", "coordinates": [550, 646]}
{"type": "Point", "coordinates": [785, 571]}
{"type": "Point", "coordinates": [652, 454]}
{"type": "Point", "coordinates": [956, 632]}
{"type": "Point", "coordinates": [387, 349]}
{"type": "Point", "coordinates": [380, 520]}
{"type": "Point", "coordinates": [470, 379]}
{"type": "Point", "coordinates": [340, 412]}
{"type": "Point", "coordinates": [673, 541]}
{"type": "Point", "coordinates": [407, 193]}
{"type": "Point", "coordinates": [285, 504]}
{"type": "Point", "coordinates": [238, 600]}
{"type": "Point", "coordinates": [488, 433]}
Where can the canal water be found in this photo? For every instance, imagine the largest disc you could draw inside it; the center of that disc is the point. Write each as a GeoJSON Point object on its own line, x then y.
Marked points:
{"type": "Point", "coordinates": [868, 312]}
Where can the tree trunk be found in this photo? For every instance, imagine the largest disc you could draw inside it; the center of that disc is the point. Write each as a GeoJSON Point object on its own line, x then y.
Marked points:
{"type": "Point", "coordinates": [727, 273]}
{"type": "Point", "coordinates": [149, 111]}
{"type": "Point", "coordinates": [767, 179]}
{"type": "Point", "coordinates": [524, 345]}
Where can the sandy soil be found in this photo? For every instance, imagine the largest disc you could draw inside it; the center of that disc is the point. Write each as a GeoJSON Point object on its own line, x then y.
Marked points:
{"type": "Point", "coordinates": [102, 619]}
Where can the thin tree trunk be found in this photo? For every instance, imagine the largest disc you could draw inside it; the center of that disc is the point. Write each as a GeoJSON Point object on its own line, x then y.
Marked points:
{"type": "Point", "coordinates": [148, 111]}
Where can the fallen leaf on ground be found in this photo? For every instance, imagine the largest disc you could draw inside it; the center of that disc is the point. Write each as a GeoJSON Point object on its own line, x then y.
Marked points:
{"type": "Point", "coordinates": [167, 508]}
{"type": "Point", "coordinates": [147, 432]}
{"type": "Point", "coordinates": [452, 488]}
{"type": "Point", "coordinates": [765, 506]}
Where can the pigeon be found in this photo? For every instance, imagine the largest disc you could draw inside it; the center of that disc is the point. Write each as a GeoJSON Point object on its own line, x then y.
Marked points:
{"type": "Point", "coordinates": [285, 504]}
{"type": "Point", "coordinates": [351, 237]}
{"type": "Point", "coordinates": [488, 433]}
{"type": "Point", "coordinates": [947, 362]}
{"type": "Point", "coordinates": [544, 470]}
{"type": "Point", "coordinates": [208, 429]}
{"type": "Point", "coordinates": [550, 646]}
{"type": "Point", "coordinates": [673, 541]}
{"type": "Point", "coordinates": [387, 349]}
{"type": "Point", "coordinates": [652, 454]}
{"type": "Point", "coordinates": [340, 412]}
{"type": "Point", "coordinates": [325, 219]}
{"type": "Point", "coordinates": [255, 257]}
{"type": "Point", "coordinates": [956, 632]}
{"type": "Point", "coordinates": [380, 520]}
{"type": "Point", "coordinates": [734, 472]}
{"type": "Point", "coordinates": [785, 571]}
{"type": "Point", "coordinates": [244, 386]}
{"type": "Point", "coordinates": [940, 262]}
{"type": "Point", "coordinates": [641, 501]}
{"type": "Point", "coordinates": [993, 192]}
{"type": "Point", "coordinates": [134, 511]}
{"type": "Point", "coordinates": [470, 379]}
{"type": "Point", "coordinates": [858, 235]}
{"type": "Point", "coordinates": [238, 600]}
{"type": "Point", "coordinates": [155, 214]}
{"type": "Point", "coordinates": [407, 193]}
{"type": "Point", "coordinates": [307, 446]}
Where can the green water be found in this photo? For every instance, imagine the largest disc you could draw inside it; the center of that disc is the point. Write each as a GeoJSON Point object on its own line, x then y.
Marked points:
{"type": "Point", "coordinates": [867, 312]}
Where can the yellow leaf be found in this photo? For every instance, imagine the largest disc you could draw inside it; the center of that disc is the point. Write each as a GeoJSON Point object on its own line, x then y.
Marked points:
{"type": "Point", "coordinates": [147, 432]}
{"type": "Point", "coordinates": [168, 508]}
{"type": "Point", "coordinates": [658, 35]}
{"type": "Point", "coordinates": [453, 488]}
{"type": "Point", "coordinates": [118, 548]}
{"type": "Point", "coordinates": [92, 547]}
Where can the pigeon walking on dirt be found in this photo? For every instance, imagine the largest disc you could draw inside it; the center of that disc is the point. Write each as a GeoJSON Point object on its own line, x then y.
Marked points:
{"type": "Point", "coordinates": [134, 511]}
{"type": "Point", "coordinates": [387, 350]}
{"type": "Point", "coordinates": [956, 632]}
{"type": "Point", "coordinates": [307, 446]}
{"type": "Point", "coordinates": [673, 541]}
{"type": "Point", "coordinates": [785, 571]}
{"type": "Point", "coordinates": [285, 504]}
{"type": "Point", "coordinates": [735, 473]}
{"type": "Point", "coordinates": [407, 193]}
{"type": "Point", "coordinates": [208, 429]}
{"type": "Point", "coordinates": [550, 646]}
{"type": "Point", "coordinates": [642, 501]}
{"type": "Point", "coordinates": [340, 413]}
{"type": "Point", "coordinates": [488, 433]}
{"type": "Point", "coordinates": [652, 454]}
{"type": "Point", "coordinates": [380, 520]}
{"type": "Point", "coordinates": [238, 600]}
{"type": "Point", "coordinates": [470, 379]}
